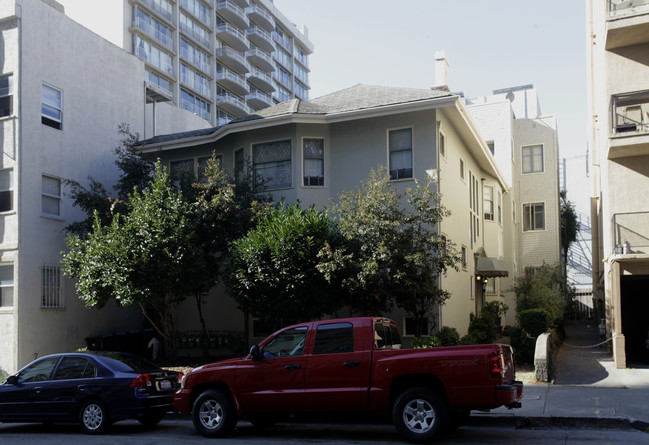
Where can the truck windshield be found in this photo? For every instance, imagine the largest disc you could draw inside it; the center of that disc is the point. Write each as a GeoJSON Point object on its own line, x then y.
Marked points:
{"type": "Point", "coordinates": [386, 335]}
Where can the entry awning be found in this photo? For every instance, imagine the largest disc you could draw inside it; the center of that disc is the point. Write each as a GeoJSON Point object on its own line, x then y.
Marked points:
{"type": "Point", "coordinates": [491, 267]}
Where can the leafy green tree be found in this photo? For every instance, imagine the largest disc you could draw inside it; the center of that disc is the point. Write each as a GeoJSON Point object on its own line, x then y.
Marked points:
{"type": "Point", "coordinates": [393, 251]}
{"type": "Point", "coordinates": [273, 270]}
{"type": "Point", "coordinates": [542, 290]}
{"type": "Point", "coordinates": [141, 259]}
{"type": "Point", "coordinates": [569, 228]}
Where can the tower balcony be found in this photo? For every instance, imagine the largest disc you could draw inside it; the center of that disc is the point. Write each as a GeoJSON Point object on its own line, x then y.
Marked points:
{"type": "Point", "coordinates": [627, 23]}
{"type": "Point", "coordinates": [232, 81]}
{"type": "Point", "coordinates": [232, 104]}
{"type": "Point", "coordinates": [261, 38]}
{"type": "Point", "coordinates": [233, 13]}
{"type": "Point", "coordinates": [261, 80]}
{"type": "Point", "coordinates": [261, 17]}
{"type": "Point", "coordinates": [232, 58]}
{"type": "Point", "coordinates": [232, 36]}
{"type": "Point", "coordinates": [259, 100]}
{"type": "Point", "coordinates": [630, 132]}
{"type": "Point", "coordinates": [261, 59]}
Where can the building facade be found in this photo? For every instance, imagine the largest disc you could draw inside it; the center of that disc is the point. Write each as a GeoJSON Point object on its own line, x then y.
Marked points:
{"type": "Point", "coordinates": [59, 120]}
{"type": "Point", "coordinates": [356, 130]}
{"type": "Point", "coordinates": [524, 144]}
{"type": "Point", "coordinates": [219, 59]}
{"type": "Point", "coordinates": [618, 81]}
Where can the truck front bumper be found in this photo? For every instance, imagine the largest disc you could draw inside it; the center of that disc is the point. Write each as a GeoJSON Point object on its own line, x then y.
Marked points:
{"type": "Point", "coordinates": [510, 395]}
{"type": "Point", "coordinates": [182, 399]}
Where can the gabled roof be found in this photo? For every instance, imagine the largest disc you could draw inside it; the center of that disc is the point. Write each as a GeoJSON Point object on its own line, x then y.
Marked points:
{"type": "Point", "coordinates": [357, 98]}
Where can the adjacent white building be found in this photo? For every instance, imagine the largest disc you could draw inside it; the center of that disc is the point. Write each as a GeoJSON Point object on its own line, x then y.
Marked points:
{"type": "Point", "coordinates": [60, 112]}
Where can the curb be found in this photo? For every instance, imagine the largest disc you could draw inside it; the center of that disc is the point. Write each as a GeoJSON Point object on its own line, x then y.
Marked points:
{"type": "Point", "coordinates": [521, 422]}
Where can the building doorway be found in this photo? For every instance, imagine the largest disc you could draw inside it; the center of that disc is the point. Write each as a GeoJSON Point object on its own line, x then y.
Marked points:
{"type": "Point", "coordinates": [634, 299]}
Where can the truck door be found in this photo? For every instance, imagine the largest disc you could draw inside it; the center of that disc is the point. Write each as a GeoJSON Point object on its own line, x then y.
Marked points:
{"type": "Point", "coordinates": [337, 376]}
{"type": "Point", "coordinates": [276, 382]}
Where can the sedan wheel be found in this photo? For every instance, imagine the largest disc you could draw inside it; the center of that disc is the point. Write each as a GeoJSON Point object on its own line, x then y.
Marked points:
{"type": "Point", "coordinates": [93, 417]}
{"type": "Point", "coordinates": [213, 414]}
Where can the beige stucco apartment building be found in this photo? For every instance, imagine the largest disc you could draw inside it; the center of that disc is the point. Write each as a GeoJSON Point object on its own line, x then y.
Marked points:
{"type": "Point", "coordinates": [618, 82]}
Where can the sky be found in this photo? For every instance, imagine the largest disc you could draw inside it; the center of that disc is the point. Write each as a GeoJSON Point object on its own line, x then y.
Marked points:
{"type": "Point", "coordinates": [490, 44]}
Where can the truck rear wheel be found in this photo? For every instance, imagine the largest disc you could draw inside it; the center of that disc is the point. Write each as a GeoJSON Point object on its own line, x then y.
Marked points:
{"type": "Point", "coordinates": [419, 414]}
{"type": "Point", "coordinates": [213, 414]}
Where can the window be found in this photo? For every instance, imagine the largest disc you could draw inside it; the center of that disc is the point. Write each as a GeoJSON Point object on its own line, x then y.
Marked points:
{"type": "Point", "coordinates": [462, 170]}
{"type": "Point", "coordinates": [51, 288]}
{"type": "Point", "coordinates": [287, 343]}
{"type": "Point", "coordinates": [153, 55]}
{"type": "Point", "coordinates": [39, 371]}
{"type": "Point", "coordinates": [272, 163]}
{"type": "Point", "coordinates": [6, 190]}
{"type": "Point", "coordinates": [313, 162]}
{"type": "Point", "coordinates": [334, 338]}
{"type": "Point", "coordinates": [442, 144]}
{"type": "Point", "coordinates": [194, 104]}
{"type": "Point", "coordinates": [499, 204]}
{"type": "Point", "coordinates": [534, 216]}
{"type": "Point", "coordinates": [463, 257]}
{"type": "Point", "coordinates": [488, 203]}
{"type": "Point", "coordinates": [533, 159]}
{"type": "Point", "coordinates": [474, 208]}
{"type": "Point", "coordinates": [400, 148]}
{"type": "Point", "coordinates": [6, 285]}
{"type": "Point", "coordinates": [492, 147]}
{"type": "Point", "coordinates": [490, 285]}
{"type": "Point", "coordinates": [6, 95]}
{"type": "Point", "coordinates": [51, 197]}
{"type": "Point", "coordinates": [386, 335]}
{"type": "Point", "coordinates": [74, 368]}
{"type": "Point", "coordinates": [411, 327]}
{"type": "Point", "coordinates": [51, 107]}
{"type": "Point", "coordinates": [238, 165]}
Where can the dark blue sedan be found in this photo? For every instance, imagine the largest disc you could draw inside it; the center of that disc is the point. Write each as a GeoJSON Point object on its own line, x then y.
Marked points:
{"type": "Point", "coordinates": [95, 389]}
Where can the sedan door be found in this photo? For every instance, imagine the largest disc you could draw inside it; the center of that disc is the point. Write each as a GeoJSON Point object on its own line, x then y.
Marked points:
{"type": "Point", "coordinates": [73, 377]}
{"type": "Point", "coordinates": [24, 398]}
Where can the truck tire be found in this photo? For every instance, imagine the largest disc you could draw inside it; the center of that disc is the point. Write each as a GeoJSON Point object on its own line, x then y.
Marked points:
{"type": "Point", "coordinates": [213, 414]}
{"type": "Point", "coordinates": [419, 415]}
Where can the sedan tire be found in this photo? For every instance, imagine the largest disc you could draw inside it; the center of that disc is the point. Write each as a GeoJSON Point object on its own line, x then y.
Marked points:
{"type": "Point", "coordinates": [93, 417]}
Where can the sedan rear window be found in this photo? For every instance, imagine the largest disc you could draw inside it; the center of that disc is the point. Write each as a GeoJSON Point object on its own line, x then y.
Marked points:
{"type": "Point", "coordinates": [126, 362]}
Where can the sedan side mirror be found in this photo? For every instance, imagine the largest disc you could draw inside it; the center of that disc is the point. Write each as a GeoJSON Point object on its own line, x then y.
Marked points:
{"type": "Point", "coordinates": [256, 353]}
{"type": "Point", "coordinates": [12, 380]}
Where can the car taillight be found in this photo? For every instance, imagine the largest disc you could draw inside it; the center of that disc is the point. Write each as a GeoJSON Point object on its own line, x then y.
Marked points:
{"type": "Point", "coordinates": [141, 381]}
{"type": "Point", "coordinates": [496, 365]}
{"type": "Point", "coordinates": [180, 378]}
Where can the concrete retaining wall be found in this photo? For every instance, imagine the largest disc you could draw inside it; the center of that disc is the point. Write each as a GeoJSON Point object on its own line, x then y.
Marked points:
{"type": "Point", "coordinates": [545, 353]}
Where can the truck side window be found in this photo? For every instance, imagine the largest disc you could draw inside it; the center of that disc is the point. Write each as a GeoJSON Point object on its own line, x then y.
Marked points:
{"type": "Point", "coordinates": [386, 335]}
{"type": "Point", "coordinates": [287, 343]}
{"type": "Point", "coordinates": [334, 338]}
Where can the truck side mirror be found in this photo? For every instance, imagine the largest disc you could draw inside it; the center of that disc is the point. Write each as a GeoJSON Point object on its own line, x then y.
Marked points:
{"type": "Point", "coordinates": [256, 353]}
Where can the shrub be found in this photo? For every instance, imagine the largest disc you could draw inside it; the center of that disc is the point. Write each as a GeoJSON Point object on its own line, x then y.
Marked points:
{"type": "Point", "coordinates": [448, 336]}
{"type": "Point", "coordinates": [534, 321]}
{"type": "Point", "coordinates": [523, 345]}
{"type": "Point", "coordinates": [481, 329]}
{"type": "Point", "coordinates": [425, 342]}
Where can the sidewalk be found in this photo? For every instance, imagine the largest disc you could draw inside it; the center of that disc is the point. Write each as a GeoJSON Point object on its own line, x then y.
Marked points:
{"type": "Point", "coordinates": [588, 390]}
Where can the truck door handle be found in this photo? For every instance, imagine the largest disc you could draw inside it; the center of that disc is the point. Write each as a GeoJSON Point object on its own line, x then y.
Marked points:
{"type": "Point", "coordinates": [352, 363]}
{"type": "Point", "coordinates": [293, 366]}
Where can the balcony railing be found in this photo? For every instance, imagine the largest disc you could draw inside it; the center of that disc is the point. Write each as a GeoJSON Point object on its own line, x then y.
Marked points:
{"type": "Point", "coordinates": [232, 58]}
{"type": "Point", "coordinates": [261, 38]}
{"type": "Point", "coordinates": [631, 113]}
{"type": "Point", "coordinates": [232, 36]}
{"type": "Point", "coordinates": [203, 16]}
{"type": "Point", "coordinates": [148, 29]}
{"type": "Point", "coordinates": [158, 9]}
{"type": "Point", "coordinates": [631, 233]}
{"type": "Point", "coordinates": [199, 35]}
{"type": "Point", "coordinates": [618, 7]}
{"type": "Point", "coordinates": [233, 13]}
{"type": "Point", "coordinates": [261, 17]}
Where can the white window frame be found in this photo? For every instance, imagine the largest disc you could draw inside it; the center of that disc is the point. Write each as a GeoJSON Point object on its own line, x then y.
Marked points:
{"type": "Point", "coordinates": [529, 211]}
{"type": "Point", "coordinates": [8, 93]}
{"type": "Point", "coordinates": [488, 202]}
{"type": "Point", "coordinates": [7, 186]}
{"type": "Point", "coordinates": [6, 284]}
{"type": "Point", "coordinates": [441, 141]}
{"type": "Point", "coordinates": [320, 180]}
{"type": "Point", "coordinates": [402, 150]}
{"type": "Point", "coordinates": [48, 119]}
{"type": "Point", "coordinates": [533, 159]}
{"type": "Point", "coordinates": [52, 288]}
{"type": "Point", "coordinates": [52, 197]}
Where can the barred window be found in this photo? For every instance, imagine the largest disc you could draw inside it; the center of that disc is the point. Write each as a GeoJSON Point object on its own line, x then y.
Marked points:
{"type": "Point", "coordinates": [52, 297]}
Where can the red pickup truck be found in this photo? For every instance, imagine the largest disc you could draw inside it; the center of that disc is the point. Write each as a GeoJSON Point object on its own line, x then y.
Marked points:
{"type": "Point", "coordinates": [351, 365]}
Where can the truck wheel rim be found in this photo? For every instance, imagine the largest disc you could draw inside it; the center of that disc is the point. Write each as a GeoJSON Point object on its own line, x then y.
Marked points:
{"type": "Point", "coordinates": [211, 414]}
{"type": "Point", "coordinates": [419, 416]}
{"type": "Point", "coordinates": [92, 417]}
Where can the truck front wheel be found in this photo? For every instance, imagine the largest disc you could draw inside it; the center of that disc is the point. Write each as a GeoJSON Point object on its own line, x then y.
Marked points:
{"type": "Point", "coordinates": [419, 415]}
{"type": "Point", "coordinates": [213, 414]}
